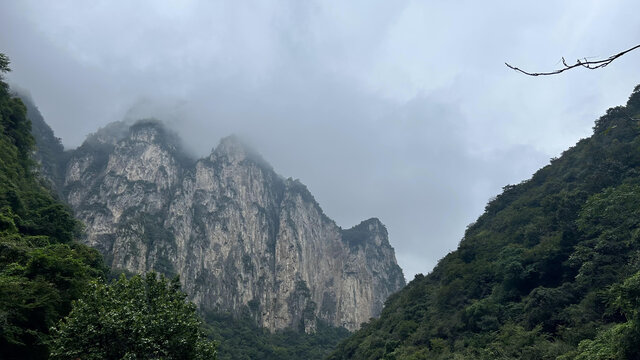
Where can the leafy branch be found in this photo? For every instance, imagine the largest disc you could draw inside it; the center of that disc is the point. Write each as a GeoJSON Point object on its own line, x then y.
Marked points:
{"type": "Point", "coordinates": [589, 64]}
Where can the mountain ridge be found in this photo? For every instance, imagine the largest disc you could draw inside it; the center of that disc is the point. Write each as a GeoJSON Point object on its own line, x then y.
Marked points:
{"type": "Point", "coordinates": [240, 235]}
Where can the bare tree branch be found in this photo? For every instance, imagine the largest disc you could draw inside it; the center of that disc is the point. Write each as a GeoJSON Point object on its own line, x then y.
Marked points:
{"type": "Point", "coordinates": [589, 64]}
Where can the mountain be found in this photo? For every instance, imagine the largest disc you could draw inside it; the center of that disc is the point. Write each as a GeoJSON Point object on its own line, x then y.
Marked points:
{"type": "Point", "coordinates": [49, 152]}
{"type": "Point", "coordinates": [550, 270]}
{"type": "Point", "coordinates": [241, 237]}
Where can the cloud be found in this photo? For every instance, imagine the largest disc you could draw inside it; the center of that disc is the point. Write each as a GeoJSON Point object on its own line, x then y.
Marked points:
{"type": "Point", "coordinates": [401, 110]}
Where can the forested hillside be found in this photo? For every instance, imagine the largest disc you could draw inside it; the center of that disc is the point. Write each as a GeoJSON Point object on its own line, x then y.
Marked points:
{"type": "Point", "coordinates": [551, 269]}
{"type": "Point", "coordinates": [42, 269]}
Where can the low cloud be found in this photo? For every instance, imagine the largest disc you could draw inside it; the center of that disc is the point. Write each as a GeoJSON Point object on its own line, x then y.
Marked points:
{"type": "Point", "coordinates": [399, 110]}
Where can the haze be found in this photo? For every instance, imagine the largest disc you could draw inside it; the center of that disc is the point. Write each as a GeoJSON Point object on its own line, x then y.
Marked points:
{"type": "Point", "coordinates": [401, 110]}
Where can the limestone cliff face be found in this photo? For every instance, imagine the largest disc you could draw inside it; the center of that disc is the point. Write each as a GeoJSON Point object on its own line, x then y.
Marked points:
{"type": "Point", "coordinates": [239, 235]}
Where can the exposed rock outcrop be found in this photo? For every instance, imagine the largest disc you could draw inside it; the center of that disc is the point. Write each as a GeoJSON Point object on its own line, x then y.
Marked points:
{"type": "Point", "coordinates": [239, 235]}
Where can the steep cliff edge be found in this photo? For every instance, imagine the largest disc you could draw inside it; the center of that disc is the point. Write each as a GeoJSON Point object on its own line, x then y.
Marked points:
{"type": "Point", "coordinates": [48, 152]}
{"type": "Point", "coordinates": [238, 234]}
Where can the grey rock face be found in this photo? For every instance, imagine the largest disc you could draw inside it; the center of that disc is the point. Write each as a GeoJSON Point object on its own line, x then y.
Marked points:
{"type": "Point", "coordinates": [49, 152]}
{"type": "Point", "coordinates": [239, 235]}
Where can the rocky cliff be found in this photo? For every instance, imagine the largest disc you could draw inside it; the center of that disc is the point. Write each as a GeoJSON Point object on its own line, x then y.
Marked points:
{"type": "Point", "coordinates": [239, 235]}
{"type": "Point", "coordinates": [49, 153]}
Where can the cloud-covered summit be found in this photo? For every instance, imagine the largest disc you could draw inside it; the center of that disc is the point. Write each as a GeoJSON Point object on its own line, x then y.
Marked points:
{"type": "Point", "coordinates": [401, 110]}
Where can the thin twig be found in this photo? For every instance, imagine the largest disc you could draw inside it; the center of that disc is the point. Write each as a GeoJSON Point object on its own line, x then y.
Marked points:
{"type": "Point", "coordinates": [595, 64]}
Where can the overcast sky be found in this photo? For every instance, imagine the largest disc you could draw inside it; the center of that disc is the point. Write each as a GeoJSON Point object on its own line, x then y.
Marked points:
{"type": "Point", "coordinates": [401, 110]}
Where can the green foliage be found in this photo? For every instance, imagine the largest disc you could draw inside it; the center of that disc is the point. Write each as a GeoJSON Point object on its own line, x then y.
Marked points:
{"type": "Point", "coordinates": [241, 338]}
{"type": "Point", "coordinates": [550, 270]}
{"type": "Point", "coordinates": [619, 341]}
{"type": "Point", "coordinates": [4, 63]}
{"type": "Point", "coordinates": [42, 270]}
{"type": "Point", "coordinates": [138, 318]}
{"type": "Point", "coordinates": [38, 284]}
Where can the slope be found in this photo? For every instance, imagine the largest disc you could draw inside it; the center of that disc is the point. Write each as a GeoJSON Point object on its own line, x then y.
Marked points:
{"type": "Point", "coordinates": [42, 269]}
{"type": "Point", "coordinates": [551, 269]}
{"type": "Point", "coordinates": [49, 152]}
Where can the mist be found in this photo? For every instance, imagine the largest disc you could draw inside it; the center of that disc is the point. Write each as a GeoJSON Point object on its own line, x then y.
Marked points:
{"type": "Point", "coordinates": [399, 110]}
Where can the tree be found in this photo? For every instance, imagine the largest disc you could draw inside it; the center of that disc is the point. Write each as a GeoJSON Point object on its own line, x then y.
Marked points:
{"type": "Point", "coordinates": [4, 63]}
{"type": "Point", "coordinates": [587, 64]}
{"type": "Point", "coordinates": [139, 318]}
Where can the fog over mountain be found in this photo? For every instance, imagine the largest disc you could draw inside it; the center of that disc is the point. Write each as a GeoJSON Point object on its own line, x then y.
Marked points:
{"type": "Point", "coordinates": [399, 110]}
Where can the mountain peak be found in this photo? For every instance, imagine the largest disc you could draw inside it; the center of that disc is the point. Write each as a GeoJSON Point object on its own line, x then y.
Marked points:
{"type": "Point", "coordinates": [370, 231]}
{"type": "Point", "coordinates": [147, 130]}
{"type": "Point", "coordinates": [230, 145]}
{"type": "Point", "coordinates": [109, 134]}
{"type": "Point", "coordinates": [373, 225]}
{"type": "Point", "coordinates": [234, 150]}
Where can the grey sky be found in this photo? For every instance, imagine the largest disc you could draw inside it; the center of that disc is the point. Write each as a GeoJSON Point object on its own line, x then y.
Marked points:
{"type": "Point", "coordinates": [402, 110]}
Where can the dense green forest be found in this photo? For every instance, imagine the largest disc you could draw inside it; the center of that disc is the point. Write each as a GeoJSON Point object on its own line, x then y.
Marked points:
{"type": "Point", "coordinates": [239, 338]}
{"type": "Point", "coordinates": [550, 270]}
{"type": "Point", "coordinates": [42, 269]}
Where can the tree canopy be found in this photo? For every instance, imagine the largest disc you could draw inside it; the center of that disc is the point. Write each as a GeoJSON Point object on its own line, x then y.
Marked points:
{"type": "Point", "coordinates": [139, 318]}
{"type": "Point", "coordinates": [4, 64]}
